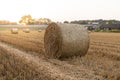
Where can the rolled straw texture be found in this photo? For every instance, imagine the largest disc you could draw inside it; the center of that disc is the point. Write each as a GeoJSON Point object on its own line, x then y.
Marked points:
{"type": "Point", "coordinates": [65, 40]}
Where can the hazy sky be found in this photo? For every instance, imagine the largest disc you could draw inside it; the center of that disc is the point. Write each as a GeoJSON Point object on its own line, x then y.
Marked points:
{"type": "Point", "coordinates": [60, 10]}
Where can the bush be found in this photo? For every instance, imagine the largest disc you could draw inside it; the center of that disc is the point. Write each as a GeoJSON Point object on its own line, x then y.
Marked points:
{"type": "Point", "coordinates": [115, 31]}
{"type": "Point", "coordinates": [97, 29]}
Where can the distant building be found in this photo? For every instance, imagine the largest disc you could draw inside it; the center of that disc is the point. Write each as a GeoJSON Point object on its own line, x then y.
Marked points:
{"type": "Point", "coordinates": [110, 26]}
{"type": "Point", "coordinates": [95, 23]}
{"type": "Point", "coordinates": [91, 26]}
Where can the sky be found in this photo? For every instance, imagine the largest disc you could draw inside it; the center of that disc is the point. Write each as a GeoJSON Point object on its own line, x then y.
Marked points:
{"type": "Point", "coordinates": [60, 10]}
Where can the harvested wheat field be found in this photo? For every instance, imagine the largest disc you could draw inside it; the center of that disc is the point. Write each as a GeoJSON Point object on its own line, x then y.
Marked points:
{"type": "Point", "coordinates": [22, 58]}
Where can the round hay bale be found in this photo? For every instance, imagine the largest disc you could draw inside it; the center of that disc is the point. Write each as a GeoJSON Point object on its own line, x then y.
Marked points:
{"type": "Point", "coordinates": [39, 30]}
{"type": "Point", "coordinates": [65, 40]}
{"type": "Point", "coordinates": [14, 30]}
{"type": "Point", "coordinates": [89, 31]}
{"type": "Point", "coordinates": [26, 30]}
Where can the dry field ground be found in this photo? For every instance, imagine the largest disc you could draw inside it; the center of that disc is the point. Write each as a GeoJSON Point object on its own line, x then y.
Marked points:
{"type": "Point", "coordinates": [22, 58]}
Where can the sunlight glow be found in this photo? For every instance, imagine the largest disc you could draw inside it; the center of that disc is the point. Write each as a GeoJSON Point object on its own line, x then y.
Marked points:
{"type": "Point", "coordinates": [60, 10]}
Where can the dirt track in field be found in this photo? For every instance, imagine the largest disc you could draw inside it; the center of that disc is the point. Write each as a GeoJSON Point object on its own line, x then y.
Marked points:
{"type": "Point", "coordinates": [101, 63]}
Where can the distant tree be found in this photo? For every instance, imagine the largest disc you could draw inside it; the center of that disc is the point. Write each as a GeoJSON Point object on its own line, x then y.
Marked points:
{"type": "Point", "coordinates": [66, 22]}
{"type": "Point", "coordinates": [43, 21]}
{"type": "Point", "coordinates": [80, 22]}
{"type": "Point", "coordinates": [75, 22]}
{"type": "Point", "coordinates": [13, 23]}
{"type": "Point", "coordinates": [4, 22]}
{"type": "Point", "coordinates": [83, 22]}
{"type": "Point", "coordinates": [26, 19]}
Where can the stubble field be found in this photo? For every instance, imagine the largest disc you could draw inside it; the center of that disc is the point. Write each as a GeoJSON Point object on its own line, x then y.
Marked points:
{"type": "Point", "coordinates": [22, 58]}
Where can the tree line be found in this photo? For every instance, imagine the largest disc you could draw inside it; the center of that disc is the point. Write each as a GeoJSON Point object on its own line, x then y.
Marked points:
{"type": "Point", "coordinates": [6, 22]}
{"type": "Point", "coordinates": [28, 20]}
{"type": "Point", "coordinates": [100, 21]}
